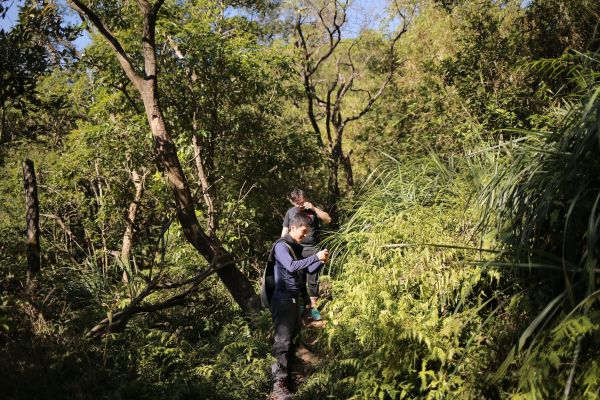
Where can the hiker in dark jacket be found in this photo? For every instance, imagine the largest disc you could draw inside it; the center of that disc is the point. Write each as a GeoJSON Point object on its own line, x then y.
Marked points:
{"type": "Point", "coordinates": [309, 245]}
{"type": "Point", "coordinates": [286, 298]}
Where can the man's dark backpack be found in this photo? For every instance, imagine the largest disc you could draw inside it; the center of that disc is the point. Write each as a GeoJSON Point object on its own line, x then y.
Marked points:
{"type": "Point", "coordinates": [267, 283]}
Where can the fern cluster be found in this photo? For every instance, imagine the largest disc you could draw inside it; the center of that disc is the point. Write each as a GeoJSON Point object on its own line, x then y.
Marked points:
{"type": "Point", "coordinates": [474, 277]}
{"type": "Point", "coordinates": [409, 311]}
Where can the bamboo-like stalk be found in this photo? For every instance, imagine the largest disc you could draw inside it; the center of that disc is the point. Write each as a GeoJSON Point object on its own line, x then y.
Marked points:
{"type": "Point", "coordinates": [33, 221]}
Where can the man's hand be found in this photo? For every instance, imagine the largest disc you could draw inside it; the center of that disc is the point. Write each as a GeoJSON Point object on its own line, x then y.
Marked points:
{"type": "Point", "coordinates": [308, 205]}
{"type": "Point", "coordinates": [322, 215]}
{"type": "Point", "coordinates": [323, 256]}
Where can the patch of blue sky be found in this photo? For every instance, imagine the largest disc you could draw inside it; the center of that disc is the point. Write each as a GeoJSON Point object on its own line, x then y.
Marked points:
{"type": "Point", "coordinates": [12, 18]}
{"type": "Point", "coordinates": [362, 15]}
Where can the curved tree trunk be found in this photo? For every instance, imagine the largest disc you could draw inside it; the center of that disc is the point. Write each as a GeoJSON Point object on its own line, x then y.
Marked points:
{"type": "Point", "coordinates": [211, 249]}
{"type": "Point", "coordinates": [147, 85]}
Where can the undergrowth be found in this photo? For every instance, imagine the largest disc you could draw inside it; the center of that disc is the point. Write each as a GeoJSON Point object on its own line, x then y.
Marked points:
{"type": "Point", "coordinates": [413, 302]}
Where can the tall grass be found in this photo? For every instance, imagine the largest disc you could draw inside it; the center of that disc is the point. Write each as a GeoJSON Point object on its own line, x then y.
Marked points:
{"type": "Point", "coordinates": [411, 308]}
{"type": "Point", "coordinates": [546, 208]}
{"type": "Point", "coordinates": [473, 277]}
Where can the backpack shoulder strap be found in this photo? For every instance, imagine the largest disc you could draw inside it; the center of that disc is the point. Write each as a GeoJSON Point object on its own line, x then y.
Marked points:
{"type": "Point", "coordinates": [291, 251]}
{"type": "Point", "coordinates": [271, 257]}
{"type": "Point", "coordinates": [267, 284]}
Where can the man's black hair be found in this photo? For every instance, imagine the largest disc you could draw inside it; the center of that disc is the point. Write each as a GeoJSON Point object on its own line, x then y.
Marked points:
{"type": "Point", "coordinates": [296, 195]}
{"type": "Point", "coordinates": [300, 219]}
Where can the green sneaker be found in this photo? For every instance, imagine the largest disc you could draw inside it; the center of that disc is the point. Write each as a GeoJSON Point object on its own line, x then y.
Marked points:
{"type": "Point", "coordinates": [315, 314]}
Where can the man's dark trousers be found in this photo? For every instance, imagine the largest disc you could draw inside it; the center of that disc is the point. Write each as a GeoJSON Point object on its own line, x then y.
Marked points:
{"type": "Point", "coordinates": [309, 280]}
{"type": "Point", "coordinates": [286, 319]}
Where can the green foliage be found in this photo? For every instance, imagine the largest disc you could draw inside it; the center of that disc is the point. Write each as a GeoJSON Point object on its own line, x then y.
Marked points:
{"type": "Point", "coordinates": [556, 25]}
{"type": "Point", "coordinates": [408, 315]}
{"type": "Point", "coordinates": [485, 70]}
{"type": "Point", "coordinates": [39, 41]}
{"type": "Point", "coordinates": [428, 297]}
{"type": "Point", "coordinates": [547, 198]}
{"type": "Point", "coordinates": [545, 368]}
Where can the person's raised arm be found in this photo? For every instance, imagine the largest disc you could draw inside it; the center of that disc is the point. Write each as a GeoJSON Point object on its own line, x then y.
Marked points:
{"type": "Point", "coordinates": [286, 224]}
{"type": "Point", "coordinates": [322, 215]}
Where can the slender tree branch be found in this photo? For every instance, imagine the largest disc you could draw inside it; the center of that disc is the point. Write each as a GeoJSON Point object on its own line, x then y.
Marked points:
{"type": "Point", "coordinates": [122, 87]}
{"type": "Point", "coordinates": [60, 223]}
{"type": "Point", "coordinates": [174, 285]}
{"type": "Point", "coordinates": [122, 56]}
{"type": "Point", "coordinates": [204, 184]}
{"type": "Point", "coordinates": [392, 68]}
{"type": "Point", "coordinates": [370, 102]}
{"type": "Point", "coordinates": [120, 318]}
{"type": "Point", "coordinates": [334, 34]}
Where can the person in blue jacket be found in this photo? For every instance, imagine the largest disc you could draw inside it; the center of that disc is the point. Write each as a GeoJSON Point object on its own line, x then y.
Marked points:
{"type": "Point", "coordinates": [287, 297]}
{"type": "Point", "coordinates": [309, 244]}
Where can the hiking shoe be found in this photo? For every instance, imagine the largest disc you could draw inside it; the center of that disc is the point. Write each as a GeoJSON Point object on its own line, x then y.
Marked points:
{"type": "Point", "coordinates": [280, 391]}
{"type": "Point", "coordinates": [315, 314]}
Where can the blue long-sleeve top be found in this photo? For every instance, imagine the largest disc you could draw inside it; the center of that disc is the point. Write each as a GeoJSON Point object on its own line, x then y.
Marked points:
{"type": "Point", "coordinates": [287, 284]}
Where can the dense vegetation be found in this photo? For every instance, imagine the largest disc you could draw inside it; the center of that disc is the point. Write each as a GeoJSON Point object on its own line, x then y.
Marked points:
{"type": "Point", "coordinates": [466, 194]}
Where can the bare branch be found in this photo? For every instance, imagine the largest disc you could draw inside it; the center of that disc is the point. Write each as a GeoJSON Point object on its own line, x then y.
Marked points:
{"type": "Point", "coordinates": [344, 88]}
{"type": "Point", "coordinates": [175, 48]}
{"type": "Point", "coordinates": [392, 67]}
{"type": "Point", "coordinates": [120, 318]}
{"type": "Point", "coordinates": [157, 7]}
{"type": "Point", "coordinates": [309, 89]}
{"type": "Point", "coordinates": [328, 110]}
{"type": "Point", "coordinates": [335, 34]}
{"type": "Point", "coordinates": [310, 66]}
{"type": "Point", "coordinates": [122, 56]}
{"type": "Point", "coordinates": [213, 221]}
{"type": "Point", "coordinates": [174, 285]}
{"type": "Point", "coordinates": [122, 87]}
{"type": "Point", "coordinates": [370, 102]}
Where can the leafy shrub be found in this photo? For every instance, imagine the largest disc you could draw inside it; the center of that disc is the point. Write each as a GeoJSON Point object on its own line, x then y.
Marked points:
{"type": "Point", "coordinates": [409, 314]}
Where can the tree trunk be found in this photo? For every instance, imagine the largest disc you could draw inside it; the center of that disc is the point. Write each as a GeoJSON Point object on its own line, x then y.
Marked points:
{"type": "Point", "coordinates": [138, 182]}
{"type": "Point", "coordinates": [33, 221]}
{"type": "Point", "coordinates": [347, 164]}
{"type": "Point", "coordinates": [238, 285]}
{"type": "Point", "coordinates": [333, 187]}
{"type": "Point", "coordinates": [147, 85]}
{"type": "Point", "coordinates": [2, 122]}
{"type": "Point", "coordinates": [212, 224]}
